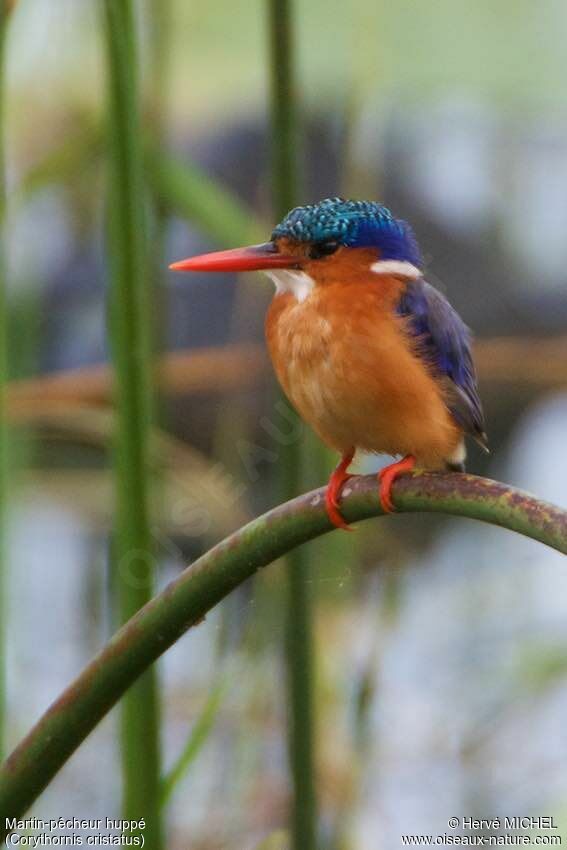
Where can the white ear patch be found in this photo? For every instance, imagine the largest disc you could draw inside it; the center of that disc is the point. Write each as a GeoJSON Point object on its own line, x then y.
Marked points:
{"type": "Point", "coordinates": [298, 283]}
{"type": "Point", "coordinates": [396, 267]}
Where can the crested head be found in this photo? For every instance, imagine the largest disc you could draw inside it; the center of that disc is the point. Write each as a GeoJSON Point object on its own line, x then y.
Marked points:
{"type": "Point", "coordinates": [320, 244]}
{"type": "Point", "coordinates": [352, 224]}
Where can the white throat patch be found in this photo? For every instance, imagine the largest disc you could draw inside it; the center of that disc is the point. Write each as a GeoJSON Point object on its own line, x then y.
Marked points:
{"type": "Point", "coordinates": [298, 283]}
{"type": "Point", "coordinates": [396, 267]}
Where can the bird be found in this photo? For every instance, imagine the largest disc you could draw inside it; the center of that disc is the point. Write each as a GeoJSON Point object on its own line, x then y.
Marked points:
{"type": "Point", "coordinates": [371, 355]}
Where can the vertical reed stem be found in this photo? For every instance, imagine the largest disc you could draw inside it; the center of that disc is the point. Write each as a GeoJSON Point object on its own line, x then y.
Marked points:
{"type": "Point", "coordinates": [4, 437]}
{"type": "Point", "coordinates": [160, 14]}
{"type": "Point", "coordinates": [131, 335]}
{"type": "Point", "coordinates": [299, 639]}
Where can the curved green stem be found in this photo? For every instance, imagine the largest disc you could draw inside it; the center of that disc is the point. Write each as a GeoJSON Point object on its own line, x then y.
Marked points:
{"type": "Point", "coordinates": [186, 601]}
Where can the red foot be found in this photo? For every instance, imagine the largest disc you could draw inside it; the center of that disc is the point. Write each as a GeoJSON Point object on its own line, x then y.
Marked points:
{"type": "Point", "coordinates": [388, 475]}
{"type": "Point", "coordinates": [334, 487]}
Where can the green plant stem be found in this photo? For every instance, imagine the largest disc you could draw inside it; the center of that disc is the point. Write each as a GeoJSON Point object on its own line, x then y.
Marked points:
{"type": "Point", "coordinates": [195, 742]}
{"type": "Point", "coordinates": [187, 600]}
{"type": "Point", "coordinates": [160, 25]}
{"type": "Point", "coordinates": [300, 673]}
{"type": "Point", "coordinates": [180, 187]}
{"type": "Point", "coordinates": [187, 191]}
{"type": "Point", "coordinates": [299, 605]}
{"type": "Point", "coordinates": [131, 334]}
{"type": "Point", "coordinates": [4, 435]}
{"type": "Point", "coordinates": [160, 17]}
{"type": "Point", "coordinates": [284, 118]}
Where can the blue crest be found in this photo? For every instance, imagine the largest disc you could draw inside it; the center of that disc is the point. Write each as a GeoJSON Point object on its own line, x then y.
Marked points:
{"type": "Point", "coordinates": [355, 224]}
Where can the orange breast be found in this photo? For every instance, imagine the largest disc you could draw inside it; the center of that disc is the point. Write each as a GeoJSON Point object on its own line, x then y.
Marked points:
{"type": "Point", "coordinates": [347, 364]}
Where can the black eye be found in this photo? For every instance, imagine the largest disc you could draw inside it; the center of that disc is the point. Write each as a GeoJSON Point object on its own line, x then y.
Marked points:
{"type": "Point", "coordinates": [323, 249]}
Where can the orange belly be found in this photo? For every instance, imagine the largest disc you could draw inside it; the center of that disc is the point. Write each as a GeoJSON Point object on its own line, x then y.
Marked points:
{"type": "Point", "coordinates": [345, 362]}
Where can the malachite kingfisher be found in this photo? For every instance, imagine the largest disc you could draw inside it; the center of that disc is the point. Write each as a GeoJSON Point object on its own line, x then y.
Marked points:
{"type": "Point", "coordinates": [371, 355]}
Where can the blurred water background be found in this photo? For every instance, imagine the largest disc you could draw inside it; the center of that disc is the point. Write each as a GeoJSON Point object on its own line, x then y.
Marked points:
{"type": "Point", "coordinates": [441, 644]}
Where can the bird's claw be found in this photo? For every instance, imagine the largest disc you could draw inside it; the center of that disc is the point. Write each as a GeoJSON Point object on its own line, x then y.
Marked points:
{"type": "Point", "coordinates": [387, 476]}
{"type": "Point", "coordinates": [332, 505]}
{"type": "Point", "coordinates": [333, 492]}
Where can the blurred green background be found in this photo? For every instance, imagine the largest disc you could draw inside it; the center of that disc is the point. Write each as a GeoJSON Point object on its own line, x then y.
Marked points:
{"type": "Point", "coordinates": [440, 645]}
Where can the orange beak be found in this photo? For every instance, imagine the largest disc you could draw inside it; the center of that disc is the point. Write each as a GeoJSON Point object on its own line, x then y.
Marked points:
{"type": "Point", "coordinates": [252, 258]}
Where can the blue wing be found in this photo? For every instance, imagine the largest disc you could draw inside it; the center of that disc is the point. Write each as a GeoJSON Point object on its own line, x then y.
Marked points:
{"type": "Point", "coordinates": [445, 342]}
